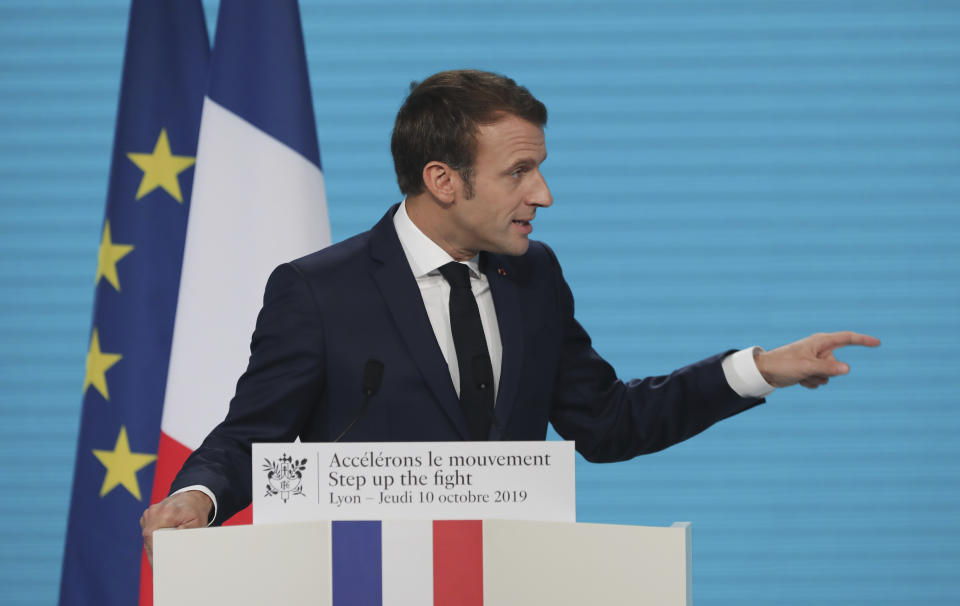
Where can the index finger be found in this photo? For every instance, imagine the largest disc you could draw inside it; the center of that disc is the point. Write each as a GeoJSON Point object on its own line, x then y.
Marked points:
{"type": "Point", "coordinates": [846, 337]}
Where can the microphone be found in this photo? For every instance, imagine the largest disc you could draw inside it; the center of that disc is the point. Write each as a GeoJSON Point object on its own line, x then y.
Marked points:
{"type": "Point", "coordinates": [372, 378]}
{"type": "Point", "coordinates": [483, 375]}
{"type": "Point", "coordinates": [482, 371]}
{"type": "Point", "coordinates": [369, 386]}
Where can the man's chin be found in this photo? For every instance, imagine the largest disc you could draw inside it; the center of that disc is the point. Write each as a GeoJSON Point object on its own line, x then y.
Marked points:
{"type": "Point", "coordinates": [516, 249]}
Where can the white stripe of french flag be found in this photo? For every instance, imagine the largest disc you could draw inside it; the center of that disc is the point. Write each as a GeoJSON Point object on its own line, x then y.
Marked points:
{"type": "Point", "coordinates": [407, 562]}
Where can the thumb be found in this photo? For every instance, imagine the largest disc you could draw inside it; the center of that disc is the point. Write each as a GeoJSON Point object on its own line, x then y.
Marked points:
{"type": "Point", "coordinates": [191, 523]}
{"type": "Point", "coordinates": [832, 368]}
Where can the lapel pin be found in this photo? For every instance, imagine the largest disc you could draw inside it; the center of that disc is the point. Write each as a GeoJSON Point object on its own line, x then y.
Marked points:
{"type": "Point", "coordinates": [501, 271]}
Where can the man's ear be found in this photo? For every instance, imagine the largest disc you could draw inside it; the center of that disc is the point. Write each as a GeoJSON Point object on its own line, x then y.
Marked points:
{"type": "Point", "coordinates": [441, 181]}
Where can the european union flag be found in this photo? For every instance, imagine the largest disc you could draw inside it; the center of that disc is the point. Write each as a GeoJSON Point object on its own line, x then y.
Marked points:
{"type": "Point", "coordinates": [137, 279]}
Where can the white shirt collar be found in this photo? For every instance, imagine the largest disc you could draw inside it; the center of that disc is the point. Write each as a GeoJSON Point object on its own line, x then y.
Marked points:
{"type": "Point", "coordinates": [423, 254]}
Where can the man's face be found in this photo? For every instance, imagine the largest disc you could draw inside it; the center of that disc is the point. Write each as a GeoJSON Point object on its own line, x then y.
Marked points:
{"type": "Point", "coordinates": [507, 186]}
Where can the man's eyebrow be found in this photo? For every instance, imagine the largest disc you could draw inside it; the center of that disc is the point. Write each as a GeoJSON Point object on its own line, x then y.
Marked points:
{"type": "Point", "coordinates": [527, 161]}
{"type": "Point", "coordinates": [519, 163]}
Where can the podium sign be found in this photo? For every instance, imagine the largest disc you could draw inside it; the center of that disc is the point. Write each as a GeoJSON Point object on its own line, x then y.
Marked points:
{"type": "Point", "coordinates": [414, 480]}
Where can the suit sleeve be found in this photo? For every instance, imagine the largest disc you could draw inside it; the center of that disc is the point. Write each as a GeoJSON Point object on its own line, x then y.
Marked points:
{"type": "Point", "coordinates": [613, 420]}
{"type": "Point", "coordinates": [281, 386]}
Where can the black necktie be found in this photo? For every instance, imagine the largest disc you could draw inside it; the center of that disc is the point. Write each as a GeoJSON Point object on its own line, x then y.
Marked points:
{"type": "Point", "coordinates": [473, 357]}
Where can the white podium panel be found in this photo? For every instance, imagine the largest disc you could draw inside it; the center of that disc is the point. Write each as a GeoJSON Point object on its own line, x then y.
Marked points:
{"type": "Point", "coordinates": [555, 563]}
{"type": "Point", "coordinates": [286, 564]}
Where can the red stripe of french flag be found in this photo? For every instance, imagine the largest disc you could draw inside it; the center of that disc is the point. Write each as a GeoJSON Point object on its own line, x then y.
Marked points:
{"type": "Point", "coordinates": [458, 563]}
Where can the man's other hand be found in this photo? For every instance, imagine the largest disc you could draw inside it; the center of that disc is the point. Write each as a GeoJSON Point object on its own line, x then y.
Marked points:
{"type": "Point", "coordinates": [189, 509]}
{"type": "Point", "coordinates": [809, 361]}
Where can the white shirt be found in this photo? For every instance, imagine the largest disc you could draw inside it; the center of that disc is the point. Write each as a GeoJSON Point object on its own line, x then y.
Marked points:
{"type": "Point", "coordinates": [425, 257]}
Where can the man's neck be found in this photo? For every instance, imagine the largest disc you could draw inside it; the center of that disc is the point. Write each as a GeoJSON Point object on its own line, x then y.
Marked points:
{"type": "Point", "coordinates": [427, 213]}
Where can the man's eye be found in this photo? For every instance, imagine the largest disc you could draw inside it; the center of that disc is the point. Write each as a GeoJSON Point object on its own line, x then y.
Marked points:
{"type": "Point", "coordinates": [518, 173]}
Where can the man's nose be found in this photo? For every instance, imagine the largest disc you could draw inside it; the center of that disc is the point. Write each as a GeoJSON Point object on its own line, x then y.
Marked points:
{"type": "Point", "coordinates": [541, 195]}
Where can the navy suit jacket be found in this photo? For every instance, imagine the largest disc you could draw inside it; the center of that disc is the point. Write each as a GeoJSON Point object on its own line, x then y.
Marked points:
{"type": "Point", "coordinates": [325, 315]}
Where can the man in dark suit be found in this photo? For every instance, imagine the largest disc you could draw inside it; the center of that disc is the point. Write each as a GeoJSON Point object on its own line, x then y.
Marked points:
{"type": "Point", "coordinates": [461, 324]}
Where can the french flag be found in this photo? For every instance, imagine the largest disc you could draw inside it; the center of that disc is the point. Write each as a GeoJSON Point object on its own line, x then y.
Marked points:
{"type": "Point", "coordinates": [258, 201]}
{"type": "Point", "coordinates": [403, 562]}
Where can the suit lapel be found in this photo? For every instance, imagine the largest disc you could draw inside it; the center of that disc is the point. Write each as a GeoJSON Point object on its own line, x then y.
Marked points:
{"type": "Point", "coordinates": [402, 297]}
{"type": "Point", "coordinates": [506, 300]}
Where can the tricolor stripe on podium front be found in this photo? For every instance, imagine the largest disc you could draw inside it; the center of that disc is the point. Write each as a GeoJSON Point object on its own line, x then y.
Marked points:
{"type": "Point", "coordinates": [402, 562]}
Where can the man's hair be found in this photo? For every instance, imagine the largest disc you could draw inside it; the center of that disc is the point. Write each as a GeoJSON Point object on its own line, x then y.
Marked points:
{"type": "Point", "coordinates": [440, 119]}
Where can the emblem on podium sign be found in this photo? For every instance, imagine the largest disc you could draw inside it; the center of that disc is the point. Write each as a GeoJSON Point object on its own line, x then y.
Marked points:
{"type": "Point", "coordinates": [285, 476]}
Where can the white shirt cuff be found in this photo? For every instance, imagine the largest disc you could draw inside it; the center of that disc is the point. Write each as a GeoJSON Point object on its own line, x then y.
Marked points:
{"type": "Point", "coordinates": [209, 493]}
{"type": "Point", "coordinates": [743, 376]}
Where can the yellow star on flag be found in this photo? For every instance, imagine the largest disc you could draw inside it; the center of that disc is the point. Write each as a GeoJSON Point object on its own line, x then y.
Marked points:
{"type": "Point", "coordinates": [98, 363]}
{"type": "Point", "coordinates": [160, 169]}
{"type": "Point", "coordinates": [110, 253]}
{"type": "Point", "coordinates": [122, 465]}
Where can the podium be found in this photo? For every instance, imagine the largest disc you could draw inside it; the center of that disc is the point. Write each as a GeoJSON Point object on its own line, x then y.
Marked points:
{"type": "Point", "coordinates": [346, 564]}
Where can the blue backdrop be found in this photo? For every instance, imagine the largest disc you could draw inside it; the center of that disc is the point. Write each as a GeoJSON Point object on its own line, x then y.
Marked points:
{"type": "Point", "coordinates": [775, 168]}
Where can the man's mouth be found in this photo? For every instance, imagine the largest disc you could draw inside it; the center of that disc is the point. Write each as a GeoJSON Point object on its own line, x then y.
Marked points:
{"type": "Point", "coordinates": [524, 226]}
